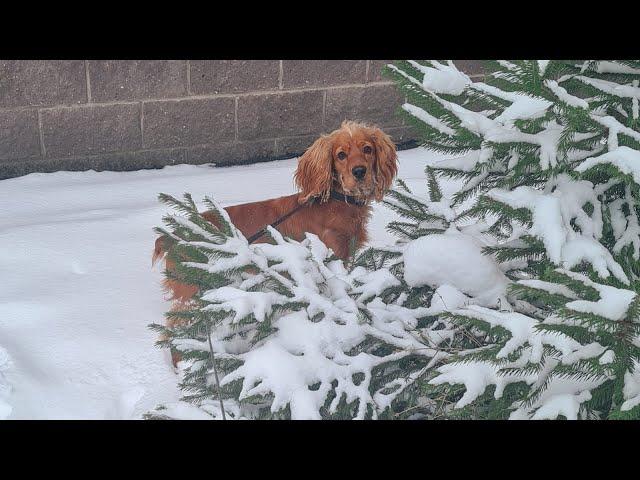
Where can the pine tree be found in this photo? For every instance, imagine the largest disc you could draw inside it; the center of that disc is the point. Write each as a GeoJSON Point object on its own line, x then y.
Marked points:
{"type": "Point", "coordinates": [514, 297]}
{"type": "Point", "coordinates": [293, 333]}
{"type": "Point", "coordinates": [549, 152]}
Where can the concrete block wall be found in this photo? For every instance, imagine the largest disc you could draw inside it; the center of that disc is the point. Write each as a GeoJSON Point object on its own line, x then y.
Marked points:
{"type": "Point", "coordinates": [128, 114]}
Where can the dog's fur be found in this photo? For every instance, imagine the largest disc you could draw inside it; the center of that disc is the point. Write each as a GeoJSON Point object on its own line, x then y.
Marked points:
{"type": "Point", "coordinates": [328, 164]}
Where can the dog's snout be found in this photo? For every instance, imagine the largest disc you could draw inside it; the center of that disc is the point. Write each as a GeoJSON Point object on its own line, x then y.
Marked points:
{"type": "Point", "coordinates": [359, 172]}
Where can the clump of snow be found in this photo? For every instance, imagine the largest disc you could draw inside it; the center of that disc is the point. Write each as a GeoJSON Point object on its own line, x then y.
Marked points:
{"type": "Point", "coordinates": [524, 107]}
{"type": "Point", "coordinates": [445, 79]}
{"type": "Point", "coordinates": [615, 67]}
{"type": "Point", "coordinates": [542, 66]}
{"type": "Point", "coordinates": [241, 302]}
{"type": "Point", "coordinates": [457, 260]}
{"type": "Point", "coordinates": [625, 159]}
{"type": "Point", "coordinates": [475, 376]}
{"type": "Point", "coordinates": [547, 140]}
{"type": "Point", "coordinates": [554, 211]}
{"type": "Point", "coordinates": [563, 395]}
{"type": "Point", "coordinates": [607, 357]}
{"type": "Point", "coordinates": [631, 390]}
{"type": "Point", "coordinates": [428, 119]}
{"type": "Point", "coordinates": [466, 162]}
{"type": "Point", "coordinates": [554, 288]}
{"type": "Point", "coordinates": [309, 346]}
{"type": "Point", "coordinates": [612, 88]}
{"type": "Point", "coordinates": [447, 298]}
{"type": "Point", "coordinates": [374, 283]}
{"type": "Point", "coordinates": [565, 96]}
{"type": "Point", "coordinates": [612, 304]}
{"type": "Point", "coordinates": [567, 404]}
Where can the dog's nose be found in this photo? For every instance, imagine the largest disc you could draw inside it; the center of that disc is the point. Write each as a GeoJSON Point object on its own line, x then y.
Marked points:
{"type": "Point", "coordinates": [359, 172]}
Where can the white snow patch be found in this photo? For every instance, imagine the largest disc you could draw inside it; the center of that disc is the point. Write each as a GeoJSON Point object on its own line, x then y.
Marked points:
{"type": "Point", "coordinates": [454, 259]}
{"type": "Point", "coordinates": [625, 159]}
{"type": "Point", "coordinates": [74, 307]}
{"type": "Point", "coordinates": [445, 79]}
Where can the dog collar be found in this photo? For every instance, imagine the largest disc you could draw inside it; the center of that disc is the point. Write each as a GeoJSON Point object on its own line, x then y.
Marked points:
{"type": "Point", "coordinates": [343, 197]}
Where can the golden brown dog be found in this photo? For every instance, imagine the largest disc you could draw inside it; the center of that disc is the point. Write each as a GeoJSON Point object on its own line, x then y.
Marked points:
{"type": "Point", "coordinates": [357, 160]}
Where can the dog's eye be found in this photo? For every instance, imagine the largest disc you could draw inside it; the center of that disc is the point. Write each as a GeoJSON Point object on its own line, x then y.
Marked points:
{"type": "Point", "coordinates": [341, 155]}
{"type": "Point", "coordinates": [367, 149]}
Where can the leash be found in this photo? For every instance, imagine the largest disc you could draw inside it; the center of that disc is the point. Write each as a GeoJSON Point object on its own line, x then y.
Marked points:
{"type": "Point", "coordinates": [343, 197]}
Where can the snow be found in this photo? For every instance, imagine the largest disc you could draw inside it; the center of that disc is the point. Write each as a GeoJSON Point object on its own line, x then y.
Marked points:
{"type": "Point", "coordinates": [563, 395]}
{"type": "Point", "coordinates": [631, 390]}
{"type": "Point", "coordinates": [553, 214]}
{"type": "Point", "coordinates": [445, 79]}
{"type": "Point", "coordinates": [77, 290]}
{"type": "Point", "coordinates": [625, 159]}
{"type": "Point", "coordinates": [547, 139]}
{"type": "Point", "coordinates": [565, 96]}
{"type": "Point", "coordinates": [475, 376]}
{"type": "Point", "coordinates": [466, 162]}
{"type": "Point", "coordinates": [524, 107]}
{"type": "Point", "coordinates": [374, 283]}
{"type": "Point", "coordinates": [542, 66]}
{"type": "Point", "coordinates": [457, 260]}
{"type": "Point", "coordinates": [567, 404]}
{"type": "Point", "coordinates": [428, 119]}
{"type": "Point", "coordinates": [615, 128]}
{"type": "Point", "coordinates": [612, 88]}
{"type": "Point", "coordinates": [5, 388]}
{"type": "Point", "coordinates": [613, 67]}
{"type": "Point", "coordinates": [612, 304]}
{"type": "Point", "coordinates": [242, 302]}
{"type": "Point", "coordinates": [555, 288]}
{"type": "Point", "coordinates": [311, 345]}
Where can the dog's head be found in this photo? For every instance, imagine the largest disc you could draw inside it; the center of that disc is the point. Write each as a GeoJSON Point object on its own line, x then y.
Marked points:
{"type": "Point", "coordinates": [356, 159]}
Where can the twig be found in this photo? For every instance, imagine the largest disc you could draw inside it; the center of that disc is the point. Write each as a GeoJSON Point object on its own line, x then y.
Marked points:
{"type": "Point", "coordinates": [215, 373]}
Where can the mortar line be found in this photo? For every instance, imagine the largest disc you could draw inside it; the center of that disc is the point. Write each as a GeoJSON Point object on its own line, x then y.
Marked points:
{"type": "Point", "coordinates": [43, 151]}
{"type": "Point", "coordinates": [142, 123]}
{"type": "Point", "coordinates": [235, 118]}
{"type": "Point", "coordinates": [324, 107]}
{"type": "Point", "coordinates": [194, 97]}
{"type": "Point", "coordinates": [88, 80]}
{"type": "Point", "coordinates": [189, 77]}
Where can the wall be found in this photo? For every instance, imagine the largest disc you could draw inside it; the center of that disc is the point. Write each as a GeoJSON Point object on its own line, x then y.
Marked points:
{"type": "Point", "coordinates": [127, 115]}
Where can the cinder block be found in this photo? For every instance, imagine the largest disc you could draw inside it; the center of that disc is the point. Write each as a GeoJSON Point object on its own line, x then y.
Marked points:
{"type": "Point", "coordinates": [188, 122]}
{"type": "Point", "coordinates": [376, 104]}
{"type": "Point", "coordinates": [19, 135]}
{"type": "Point", "coordinates": [42, 82]}
{"type": "Point", "coordinates": [278, 115]}
{"type": "Point", "coordinates": [114, 80]}
{"type": "Point", "coordinates": [233, 76]}
{"type": "Point", "coordinates": [322, 73]}
{"type": "Point", "coordinates": [91, 130]}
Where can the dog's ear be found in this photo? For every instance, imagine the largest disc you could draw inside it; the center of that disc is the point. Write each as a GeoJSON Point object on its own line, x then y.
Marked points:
{"type": "Point", "coordinates": [386, 163]}
{"type": "Point", "coordinates": [314, 174]}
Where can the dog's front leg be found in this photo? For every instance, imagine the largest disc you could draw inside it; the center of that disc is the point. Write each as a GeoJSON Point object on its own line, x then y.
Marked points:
{"type": "Point", "coordinates": [337, 242]}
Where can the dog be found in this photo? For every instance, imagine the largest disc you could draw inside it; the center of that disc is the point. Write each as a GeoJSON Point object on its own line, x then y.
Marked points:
{"type": "Point", "coordinates": [337, 177]}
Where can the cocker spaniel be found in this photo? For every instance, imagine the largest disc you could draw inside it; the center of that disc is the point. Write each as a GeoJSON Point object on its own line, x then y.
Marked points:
{"type": "Point", "coordinates": [337, 177]}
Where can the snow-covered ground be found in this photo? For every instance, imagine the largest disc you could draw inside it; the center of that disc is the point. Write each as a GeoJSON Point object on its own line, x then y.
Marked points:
{"type": "Point", "coordinates": [77, 290]}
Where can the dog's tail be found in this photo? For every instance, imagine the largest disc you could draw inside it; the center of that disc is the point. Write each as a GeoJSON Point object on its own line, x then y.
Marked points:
{"type": "Point", "coordinates": [158, 251]}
